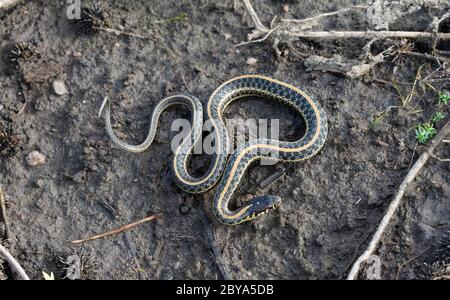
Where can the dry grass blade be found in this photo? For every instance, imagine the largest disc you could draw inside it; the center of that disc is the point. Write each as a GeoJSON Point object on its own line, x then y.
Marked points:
{"type": "Point", "coordinates": [116, 231]}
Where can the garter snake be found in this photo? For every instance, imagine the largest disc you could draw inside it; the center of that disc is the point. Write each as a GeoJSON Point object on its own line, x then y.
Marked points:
{"type": "Point", "coordinates": [229, 169]}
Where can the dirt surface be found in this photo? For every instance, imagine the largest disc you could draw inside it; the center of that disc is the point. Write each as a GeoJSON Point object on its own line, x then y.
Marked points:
{"type": "Point", "coordinates": [331, 203]}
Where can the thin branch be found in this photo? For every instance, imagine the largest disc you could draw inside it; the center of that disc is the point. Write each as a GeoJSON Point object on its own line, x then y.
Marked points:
{"type": "Point", "coordinates": [258, 25]}
{"type": "Point", "coordinates": [324, 15]}
{"type": "Point", "coordinates": [15, 266]}
{"type": "Point", "coordinates": [397, 200]}
{"type": "Point", "coordinates": [439, 59]}
{"type": "Point", "coordinates": [441, 159]}
{"type": "Point", "coordinates": [8, 3]}
{"type": "Point", "coordinates": [411, 260]}
{"type": "Point", "coordinates": [296, 28]}
{"type": "Point", "coordinates": [216, 254]}
{"type": "Point", "coordinates": [119, 32]}
{"type": "Point", "coordinates": [4, 213]}
{"type": "Point", "coordinates": [260, 40]}
{"type": "Point", "coordinates": [369, 34]}
{"type": "Point", "coordinates": [116, 231]}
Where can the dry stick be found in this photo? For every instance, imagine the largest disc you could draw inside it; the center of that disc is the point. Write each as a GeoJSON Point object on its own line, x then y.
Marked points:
{"type": "Point", "coordinates": [369, 34]}
{"type": "Point", "coordinates": [4, 214]}
{"type": "Point", "coordinates": [259, 26]}
{"type": "Point", "coordinates": [118, 32]}
{"type": "Point", "coordinates": [439, 59]}
{"type": "Point", "coordinates": [396, 202]}
{"type": "Point", "coordinates": [216, 254]}
{"type": "Point", "coordinates": [15, 266]}
{"type": "Point", "coordinates": [116, 231]}
{"type": "Point", "coordinates": [324, 15]}
{"type": "Point", "coordinates": [410, 260]}
{"type": "Point", "coordinates": [298, 32]}
{"type": "Point", "coordinates": [8, 3]}
{"type": "Point", "coordinates": [441, 159]}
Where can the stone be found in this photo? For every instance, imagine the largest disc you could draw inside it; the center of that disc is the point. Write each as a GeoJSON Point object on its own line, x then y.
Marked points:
{"type": "Point", "coordinates": [35, 159]}
{"type": "Point", "coordinates": [252, 61]}
{"type": "Point", "coordinates": [59, 88]}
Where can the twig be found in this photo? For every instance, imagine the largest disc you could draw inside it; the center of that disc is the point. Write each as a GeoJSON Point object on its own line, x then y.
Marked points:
{"type": "Point", "coordinates": [213, 246]}
{"type": "Point", "coordinates": [295, 28]}
{"type": "Point", "coordinates": [441, 159]}
{"type": "Point", "coordinates": [119, 32]}
{"type": "Point", "coordinates": [369, 34]}
{"type": "Point", "coordinates": [438, 59]}
{"type": "Point", "coordinates": [354, 255]}
{"type": "Point", "coordinates": [8, 3]}
{"type": "Point", "coordinates": [15, 266]}
{"type": "Point", "coordinates": [4, 214]}
{"type": "Point", "coordinates": [324, 15]}
{"type": "Point", "coordinates": [260, 40]}
{"type": "Point", "coordinates": [271, 179]}
{"type": "Point", "coordinates": [116, 231]}
{"type": "Point", "coordinates": [396, 202]}
{"type": "Point", "coordinates": [258, 25]}
{"type": "Point", "coordinates": [411, 260]}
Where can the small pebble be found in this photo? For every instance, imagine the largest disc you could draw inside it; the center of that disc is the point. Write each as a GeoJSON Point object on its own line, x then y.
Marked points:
{"type": "Point", "coordinates": [77, 55]}
{"type": "Point", "coordinates": [185, 209]}
{"type": "Point", "coordinates": [286, 8]}
{"type": "Point", "coordinates": [59, 88]}
{"type": "Point", "coordinates": [252, 61]}
{"type": "Point", "coordinates": [227, 36]}
{"type": "Point", "coordinates": [35, 159]}
{"type": "Point", "coordinates": [38, 183]}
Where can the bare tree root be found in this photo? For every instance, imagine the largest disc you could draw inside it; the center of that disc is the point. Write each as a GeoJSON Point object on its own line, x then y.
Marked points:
{"type": "Point", "coordinates": [297, 28]}
{"type": "Point", "coordinates": [396, 202]}
{"type": "Point", "coordinates": [8, 3]}
{"type": "Point", "coordinates": [15, 266]}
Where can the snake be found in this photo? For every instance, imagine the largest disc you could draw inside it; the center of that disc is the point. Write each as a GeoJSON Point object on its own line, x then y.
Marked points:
{"type": "Point", "coordinates": [228, 166]}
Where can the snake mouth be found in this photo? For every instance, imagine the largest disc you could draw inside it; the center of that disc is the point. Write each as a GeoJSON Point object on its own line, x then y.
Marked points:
{"type": "Point", "coordinates": [262, 205]}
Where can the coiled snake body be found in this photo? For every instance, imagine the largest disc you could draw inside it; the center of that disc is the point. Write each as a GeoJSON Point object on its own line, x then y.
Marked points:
{"type": "Point", "coordinates": [229, 169]}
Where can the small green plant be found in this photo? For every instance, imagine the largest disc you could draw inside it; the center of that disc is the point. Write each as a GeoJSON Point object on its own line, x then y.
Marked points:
{"type": "Point", "coordinates": [444, 97]}
{"type": "Point", "coordinates": [437, 117]}
{"type": "Point", "coordinates": [379, 117]}
{"type": "Point", "coordinates": [424, 132]}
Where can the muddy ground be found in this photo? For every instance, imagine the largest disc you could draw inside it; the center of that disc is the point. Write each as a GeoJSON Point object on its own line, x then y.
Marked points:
{"type": "Point", "coordinates": [332, 202]}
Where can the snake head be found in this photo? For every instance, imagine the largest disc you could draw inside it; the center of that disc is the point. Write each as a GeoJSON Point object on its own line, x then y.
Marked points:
{"type": "Point", "coordinates": [261, 205]}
